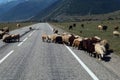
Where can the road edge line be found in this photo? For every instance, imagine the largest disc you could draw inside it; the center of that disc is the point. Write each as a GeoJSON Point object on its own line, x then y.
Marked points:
{"type": "Point", "coordinates": [83, 65]}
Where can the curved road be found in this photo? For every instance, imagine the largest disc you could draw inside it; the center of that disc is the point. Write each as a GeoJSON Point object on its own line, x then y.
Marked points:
{"type": "Point", "coordinates": [32, 59]}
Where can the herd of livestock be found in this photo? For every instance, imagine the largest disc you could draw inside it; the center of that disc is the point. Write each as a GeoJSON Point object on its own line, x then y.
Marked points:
{"type": "Point", "coordinates": [95, 46]}
{"type": "Point", "coordinates": [115, 32]}
{"type": "Point", "coordinates": [6, 37]}
{"type": "Point", "coordinates": [101, 28]}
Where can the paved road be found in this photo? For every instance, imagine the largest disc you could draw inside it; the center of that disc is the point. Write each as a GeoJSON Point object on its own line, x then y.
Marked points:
{"type": "Point", "coordinates": [32, 59]}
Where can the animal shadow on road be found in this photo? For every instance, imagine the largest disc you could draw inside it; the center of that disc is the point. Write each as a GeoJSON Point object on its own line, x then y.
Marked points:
{"type": "Point", "coordinates": [107, 58]}
{"type": "Point", "coordinates": [24, 33]}
{"type": "Point", "coordinates": [110, 51]}
{"type": "Point", "coordinates": [13, 41]}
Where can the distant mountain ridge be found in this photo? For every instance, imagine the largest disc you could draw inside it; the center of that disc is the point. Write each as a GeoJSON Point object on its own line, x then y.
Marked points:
{"type": "Point", "coordinates": [4, 7]}
{"type": "Point", "coordinates": [58, 10]}
{"type": "Point", "coordinates": [25, 10]}
{"type": "Point", "coordinates": [80, 8]}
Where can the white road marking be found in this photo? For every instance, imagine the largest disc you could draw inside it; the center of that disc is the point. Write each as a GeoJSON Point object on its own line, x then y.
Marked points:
{"type": "Point", "coordinates": [22, 42]}
{"type": "Point", "coordinates": [50, 27]}
{"type": "Point", "coordinates": [25, 39]}
{"type": "Point", "coordinates": [31, 34]}
{"type": "Point", "coordinates": [6, 56]}
{"type": "Point", "coordinates": [83, 65]}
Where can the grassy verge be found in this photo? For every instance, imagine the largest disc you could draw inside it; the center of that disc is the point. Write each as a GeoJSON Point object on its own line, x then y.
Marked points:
{"type": "Point", "coordinates": [13, 26]}
{"type": "Point", "coordinates": [90, 29]}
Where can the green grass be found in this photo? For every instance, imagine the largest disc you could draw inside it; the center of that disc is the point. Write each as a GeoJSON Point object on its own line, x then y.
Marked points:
{"type": "Point", "coordinates": [12, 26]}
{"type": "Point", "coordinates": [90, 29]}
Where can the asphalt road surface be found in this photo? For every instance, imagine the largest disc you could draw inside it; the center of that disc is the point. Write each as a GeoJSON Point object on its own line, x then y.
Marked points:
{"type": "Point", "coordinates": [32, 59]}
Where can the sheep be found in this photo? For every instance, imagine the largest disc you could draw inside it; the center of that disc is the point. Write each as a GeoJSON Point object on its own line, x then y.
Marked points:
{"type": "Point", "coordinates": [18, 25]}
{"type": "Point", "coordinates": [30, 28]}
{"type": "Point", "coordinates": [76, 42]}
{"type": "Point", "coordinates": [53, 37]}
{"type": "Point", "coordinates": [15, 37]}
{"type": "Point", "coordinates": [49, 38]}
{"type": "Point", "coordinates": [6, 38]}
{"type": "Point", "coordinates": [116, 33]}
{"type": "Point", "coordinates": [64, 34]}
{"type": "Point", "coordinates": [77, 36]}
{"type": "Point", "coordinates": [98, 38]}
{"type": "Point", "coordinates": [70, 27]}
{"type": "Point", "coordinates": [1, 34]}
{"type": "Point", "coordinates": [87, 44]}
{"type": "Point", "coordinates": [58, 39]}
{"type": "Point", "coordinates": [11, 37]}
{"type": "Point", "coordinates": [5, 29]}
{"type": "Point", "coordinates": [99, 50]}
{"type": "Point", "coordinates": [104, 28]}
{"type": "Point", "coordinates": [56, 31]}
{"type": "Point", "coordinates": [74, 25]}
{"type": "Point", "coordinates": [71, 39]}
{"type": "Point", "coordinates": [105, 44]}
{"type": "Point", "coordinates": [44, 37]}
{"type": "Point", "coordinates": [65, 38]}
{"type": "Point", "coordinates": [100, 27]}
{"type": "Point", "coordinates": [82, 25]}
{"type": "Point", "coordinates": [116, 28]}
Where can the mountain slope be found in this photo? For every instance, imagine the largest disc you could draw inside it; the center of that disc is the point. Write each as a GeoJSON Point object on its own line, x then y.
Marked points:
{"type": "Point", "coordinates": [26, 10]}
{"type": "Point", "coordinates": [7, 6]}
{"type": "Point", "coordinates": [54, 10]}
{"type": "Point", "coordinates": [80, 8]}
{"type": "Point", "coordinates": [83, 7]}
